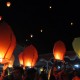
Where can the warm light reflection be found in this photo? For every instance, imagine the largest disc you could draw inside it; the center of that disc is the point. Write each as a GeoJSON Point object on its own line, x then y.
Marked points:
{"type": "Point", "coordinates": [1, 53]}
{"type": "Point", "coordinates": [0, 59]}
{"type": "Point", "coordinates": [21, 58]}
{"type": "Point", "coordinates": [11, 61]}
{"type": "Point", "coordinates": [58, 56]}
{"type": "Point", "coordinates": [10, 64]}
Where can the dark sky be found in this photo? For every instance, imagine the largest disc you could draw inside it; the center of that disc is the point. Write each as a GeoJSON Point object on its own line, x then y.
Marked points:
{"type": "Point", "coordinates": [29, 16]}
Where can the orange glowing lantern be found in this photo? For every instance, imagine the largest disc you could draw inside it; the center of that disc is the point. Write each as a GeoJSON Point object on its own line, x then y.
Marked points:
{"type": "Point", "coordinates": [59, 50]}
{"type": "Point", "coordinates": [7, 42]}
{"type": "Point", "coordinates": [11, 62]}
{"type": "Point", "coordinates": [21, 58]}
{"type": "Point", "coordinates": [8, 4]}
{"type": "Point", "coordinates": [30, 56]}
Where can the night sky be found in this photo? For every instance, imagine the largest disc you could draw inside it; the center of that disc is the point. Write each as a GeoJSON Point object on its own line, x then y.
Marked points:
{"type": "Point", "coordinates": [58, 20]}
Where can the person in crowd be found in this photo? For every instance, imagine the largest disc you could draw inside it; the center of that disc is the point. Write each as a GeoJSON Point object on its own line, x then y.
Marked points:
{"type": "Point", "coordinates": [30, 74]}
{"type": "Point", "coordinates": [16, 74]}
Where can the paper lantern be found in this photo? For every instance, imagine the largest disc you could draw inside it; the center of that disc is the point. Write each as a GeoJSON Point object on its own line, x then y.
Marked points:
{"type": "Point", "coordinates": [8, 4]}
{"type": "Point", "coordinates": [7, 42]}
{"type": "Point", "coordinates": [76, 46]}
{"type": "Point", "coordinates": [11, 62]}
{"type": "Point", "coordinates": [59, 50]}
{"type": "Point", "coordinates": [30, 56]}
{"type": "Point", "coordinates": [20, 58]}
{"type": "Point", "coordinates": [0, 18]}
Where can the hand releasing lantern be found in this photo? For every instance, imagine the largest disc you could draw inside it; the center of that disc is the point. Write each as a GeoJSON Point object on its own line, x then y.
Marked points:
{"type": "Point", "coordinates": [7, 43]}
{"type": "Point", "coordinates": [30, 56]}
{"type": "Point", "coordinates": [76, 46]}
{"type": "Point", "coordinates": [59, 50]}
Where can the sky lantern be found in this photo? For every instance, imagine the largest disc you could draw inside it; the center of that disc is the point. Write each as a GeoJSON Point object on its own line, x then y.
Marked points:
{"type": "Point", "coordinates": [30, 56]}
{"type": "Point", "coordinates": [59, 50]}
{"type": "Point", "coordinates": [8, 4]}
{"type": "Point", "coordinates": [20, 58]}
{"type": "Point", "coordinates": [0, 18]}
{"type": "Point", "coordinates": [7, 42]}
{"type": "Point", "coordinates": [11, 62]}
{"type": "Point", "coordinates": [76, 46]}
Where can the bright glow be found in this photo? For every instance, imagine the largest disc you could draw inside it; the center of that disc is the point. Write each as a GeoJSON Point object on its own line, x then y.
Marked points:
{"type": "Point", "coordinates": [0, 59]}
{"type": "Point", "coordinates": [10, 66]}
{"type": "Point", "coordinates": [8, 4]}
{"type": "Point", "coordinates": [72, 23]}
{"type": "Point", "coordinates": [41, 69]}
{"type": "Point", "coordinates": [41, 30]}
{"type": "Point", "coordinates": [58, 56]}
{"type": "Point", "coordinates": [58, 67]}
{"type": "Point", "coordinates": [76, 65]}
{"type": "Point", "coordinates": [31, 35]}
{"type": "Point", "coordinates": [50, 7]}
{"type": "Point", "coordinates": [28, 64]}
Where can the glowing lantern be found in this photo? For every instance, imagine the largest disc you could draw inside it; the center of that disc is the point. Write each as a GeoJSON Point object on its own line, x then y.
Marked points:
{"type": "Point", "coordinates": [11, 62]}
{"type": "Point", "coordinates": [59, 50]}
{"type": "Point", "coordinates": [30, 56]}
{"type": "Point", "coordinates": [8, 4]}
{"type": "Point", "coordinates": [76, 46]}
{"type": "Point", "coordinates": [0, 18]}
{"type": "Point", "coordinates": [21, 58]}
{"type": "Point", "coordinates": [7, 42]}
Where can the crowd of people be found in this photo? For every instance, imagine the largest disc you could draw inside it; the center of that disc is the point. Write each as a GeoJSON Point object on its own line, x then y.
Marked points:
{"type": "Point", "coordinates": [18, 73]}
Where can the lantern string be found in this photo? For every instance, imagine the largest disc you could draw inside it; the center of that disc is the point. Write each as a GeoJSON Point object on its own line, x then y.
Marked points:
{"type": "Point", "coordinates": [9, 44]}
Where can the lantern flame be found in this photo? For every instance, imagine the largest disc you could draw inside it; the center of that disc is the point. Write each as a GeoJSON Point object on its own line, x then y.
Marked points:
{"type": "Point", "coordinates": [0, 59]}
{"type": "Point", "coordinates": [28, 64]}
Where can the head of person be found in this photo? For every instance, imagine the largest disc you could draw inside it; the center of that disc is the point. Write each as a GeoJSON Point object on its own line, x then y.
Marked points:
{"type": "Point", "coordinates": [18, 72]}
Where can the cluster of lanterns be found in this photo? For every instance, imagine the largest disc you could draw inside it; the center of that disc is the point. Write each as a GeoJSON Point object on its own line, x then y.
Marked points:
{"type": "Point", "coordinates": [29, 56]}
